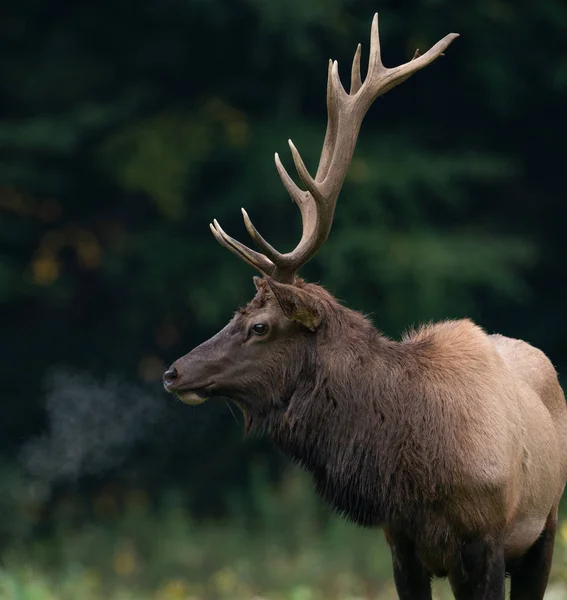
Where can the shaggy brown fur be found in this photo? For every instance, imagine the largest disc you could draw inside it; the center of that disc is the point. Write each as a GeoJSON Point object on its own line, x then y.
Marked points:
{"type": "Point", "coordinates": [445, 437]}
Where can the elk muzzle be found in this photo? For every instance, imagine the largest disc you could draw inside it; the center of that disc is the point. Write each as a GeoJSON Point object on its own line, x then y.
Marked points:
{"type": "Point", "coordinates": [190, 385]}
{"type": "Point", "coordinates": [173, 384]}
{"type": "Point", "coordinates": [194, 378]}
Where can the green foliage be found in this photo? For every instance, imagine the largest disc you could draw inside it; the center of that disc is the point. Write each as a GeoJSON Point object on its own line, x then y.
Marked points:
{"type": "Point", "coordinates": [124, 132]}
{"type": "Point", "coordinates": [280, 545]}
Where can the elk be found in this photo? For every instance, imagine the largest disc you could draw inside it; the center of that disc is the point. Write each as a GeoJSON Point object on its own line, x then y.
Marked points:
{"type": "Point", "coordinates": [453, 441]}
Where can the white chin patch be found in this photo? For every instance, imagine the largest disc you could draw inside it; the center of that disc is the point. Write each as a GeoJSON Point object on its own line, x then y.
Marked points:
{"type": "Point", "coordinates": [191, 398]}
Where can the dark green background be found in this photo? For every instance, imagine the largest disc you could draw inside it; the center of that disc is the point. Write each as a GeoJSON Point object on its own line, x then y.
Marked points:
{"type": "Point", "coordinates": [126, 127]}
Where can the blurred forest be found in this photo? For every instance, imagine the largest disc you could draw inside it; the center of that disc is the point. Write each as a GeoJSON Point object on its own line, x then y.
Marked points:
{"type": "Point", "coordinates": [125, 128]}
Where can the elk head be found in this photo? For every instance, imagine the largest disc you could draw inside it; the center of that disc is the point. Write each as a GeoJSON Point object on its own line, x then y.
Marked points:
{"type": "Point", "coordinates": [270, 345]}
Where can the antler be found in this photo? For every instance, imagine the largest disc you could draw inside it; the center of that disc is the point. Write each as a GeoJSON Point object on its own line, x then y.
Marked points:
{"type": "Point", "coordinates": [345, 113]}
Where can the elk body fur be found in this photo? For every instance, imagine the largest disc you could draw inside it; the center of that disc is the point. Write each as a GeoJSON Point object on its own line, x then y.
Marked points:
{"type": "Point", "coordinates": [452, 440]}
{"type": "Point", "coordinates": [448, 433]}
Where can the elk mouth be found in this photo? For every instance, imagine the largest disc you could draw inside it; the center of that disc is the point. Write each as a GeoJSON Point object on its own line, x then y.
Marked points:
{"type": "Point", "coordinates": [193, 397]}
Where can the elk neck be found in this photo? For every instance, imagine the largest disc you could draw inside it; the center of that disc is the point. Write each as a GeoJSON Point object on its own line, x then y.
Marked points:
{"type": "Point", "coordinates": [353, 417]}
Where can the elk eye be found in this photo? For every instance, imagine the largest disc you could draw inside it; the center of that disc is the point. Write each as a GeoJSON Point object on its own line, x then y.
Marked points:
{"type": "Point", "coordinates": [259, 328]}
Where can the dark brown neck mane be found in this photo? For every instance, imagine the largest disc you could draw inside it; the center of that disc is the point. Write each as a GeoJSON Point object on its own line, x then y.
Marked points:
{"type": "Point", "coordinates": [354, 416]}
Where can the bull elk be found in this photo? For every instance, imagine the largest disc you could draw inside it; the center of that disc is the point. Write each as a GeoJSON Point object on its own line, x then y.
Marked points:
{"type": "Point", "coordinates": [452, 440]}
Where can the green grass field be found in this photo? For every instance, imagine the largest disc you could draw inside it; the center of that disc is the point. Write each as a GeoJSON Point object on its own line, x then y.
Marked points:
{"type": "Point", "coordinates": [289, 550]}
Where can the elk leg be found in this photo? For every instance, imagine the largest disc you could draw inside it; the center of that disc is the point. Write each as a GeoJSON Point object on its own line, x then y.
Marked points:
{"type": "Point", "coordinates": [530, 574]}
{"type": "Point", "coordinates": [480, 572]}
{"type": "Point", "coordinates": [412, 580]}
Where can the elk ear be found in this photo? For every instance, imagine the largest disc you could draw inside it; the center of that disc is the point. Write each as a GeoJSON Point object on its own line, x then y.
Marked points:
{"type": "Point", "coordinates": [296, 304]}
{"type": "Point", "coordinates": [259, 283]}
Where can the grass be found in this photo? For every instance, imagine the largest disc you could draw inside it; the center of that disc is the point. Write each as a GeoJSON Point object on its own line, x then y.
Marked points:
{"type": "Point", "coordinates": [285, 547]}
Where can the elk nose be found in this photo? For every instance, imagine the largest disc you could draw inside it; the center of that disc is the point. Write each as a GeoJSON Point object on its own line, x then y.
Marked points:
{"type": "Point", "coordinates": [169, 376]}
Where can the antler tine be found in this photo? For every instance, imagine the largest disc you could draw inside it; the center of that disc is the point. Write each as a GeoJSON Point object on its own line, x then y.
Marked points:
{"type": "Point", "coordinates": [254, 259]}
{"type": "Point", "coordinates": [296, 194]}
{"type": "Point", "coordinates": [345, 113]}
{"type": "Point", "coordinates": [265, 246]}
{"type": "Point", "coordinates": [332, 123]}
{"type": "Point", "coordinates": [355, 77]}
{"type": "Point", "coordinates": [302, 171]}
{"type": "Point", "coordinates": [375, 58]}
{"type": "Point", "coordinates": [381, 79]}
